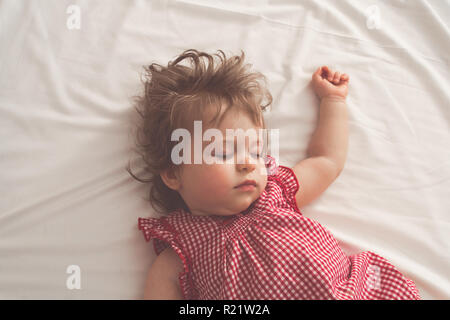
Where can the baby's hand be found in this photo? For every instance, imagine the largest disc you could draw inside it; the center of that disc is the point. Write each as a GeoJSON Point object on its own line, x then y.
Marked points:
{"type": "Point", "coordinates": [327, 82]}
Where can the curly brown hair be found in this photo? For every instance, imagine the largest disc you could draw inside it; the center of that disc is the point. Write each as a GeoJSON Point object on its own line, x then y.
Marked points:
{"type": "Point", "coordinates": [177, 95]}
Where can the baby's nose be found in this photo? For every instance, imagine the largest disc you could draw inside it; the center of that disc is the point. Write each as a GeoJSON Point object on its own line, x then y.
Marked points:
{"type": "Point", "coordinates": [244, 163]}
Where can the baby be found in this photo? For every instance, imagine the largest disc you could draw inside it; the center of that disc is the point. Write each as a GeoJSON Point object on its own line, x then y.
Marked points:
{"type": "Point", "coordinates": [233, 228]}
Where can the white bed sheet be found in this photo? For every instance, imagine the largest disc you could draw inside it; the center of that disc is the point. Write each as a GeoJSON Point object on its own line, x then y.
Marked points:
{"type": "Point", "coordinates": [66, 129]}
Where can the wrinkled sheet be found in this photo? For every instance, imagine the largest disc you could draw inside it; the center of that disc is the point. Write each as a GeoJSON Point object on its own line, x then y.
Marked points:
{"type": "Point", "coordinates": [66, 128]}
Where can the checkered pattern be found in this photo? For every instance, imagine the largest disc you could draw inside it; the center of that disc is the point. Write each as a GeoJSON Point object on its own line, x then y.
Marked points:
{"type": "Point", "coordinates": [271, 251]}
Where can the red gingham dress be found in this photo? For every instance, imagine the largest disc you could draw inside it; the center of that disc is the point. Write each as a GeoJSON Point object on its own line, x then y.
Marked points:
{"type": "Point", "coordinates": [271, 251]}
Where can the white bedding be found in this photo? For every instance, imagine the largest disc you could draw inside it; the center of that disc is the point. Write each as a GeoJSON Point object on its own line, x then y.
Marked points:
{"type": "Point", "coordinates": [66, 129]}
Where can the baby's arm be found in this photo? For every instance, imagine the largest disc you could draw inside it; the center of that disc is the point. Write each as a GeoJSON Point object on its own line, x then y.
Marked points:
{"type": "Point", "coordinates": [327, 150]}
{"type": "Point", "coordinates": [162, 280]}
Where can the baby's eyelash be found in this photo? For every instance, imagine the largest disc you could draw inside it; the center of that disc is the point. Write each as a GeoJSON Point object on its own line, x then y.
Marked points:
{"type": "Point", "coordinates": [224, 156]}
{"type": "Point", "coordinates": [227, 156]}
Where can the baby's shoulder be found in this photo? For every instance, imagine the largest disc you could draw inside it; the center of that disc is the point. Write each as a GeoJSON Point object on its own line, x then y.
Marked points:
{"type": "Point", "coordinates": [281, 189]}
{"type": "Point", "coordinates": [168, 264]}
{"type": "Point", "coordinates": [162, 280]}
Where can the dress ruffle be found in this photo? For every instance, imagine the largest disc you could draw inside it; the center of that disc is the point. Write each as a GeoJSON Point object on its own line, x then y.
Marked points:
{"type": "Point", "coordinates": [163, 236]}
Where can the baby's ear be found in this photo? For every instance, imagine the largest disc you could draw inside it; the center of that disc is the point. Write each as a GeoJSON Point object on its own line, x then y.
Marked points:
{"type": "Point", "coordinates": [170, 179]}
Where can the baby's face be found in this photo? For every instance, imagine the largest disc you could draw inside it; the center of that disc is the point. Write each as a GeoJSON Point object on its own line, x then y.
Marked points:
{"type": "Point", "coordinates": [211, 189]}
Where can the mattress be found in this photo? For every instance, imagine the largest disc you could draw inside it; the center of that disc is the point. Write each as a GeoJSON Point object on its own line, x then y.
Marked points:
{"type": "Point", "coordinates": [69, 71]}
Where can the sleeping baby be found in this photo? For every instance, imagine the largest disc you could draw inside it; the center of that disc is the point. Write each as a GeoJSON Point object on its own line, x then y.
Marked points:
{"type": "Point", "coordinates": [231, 225]}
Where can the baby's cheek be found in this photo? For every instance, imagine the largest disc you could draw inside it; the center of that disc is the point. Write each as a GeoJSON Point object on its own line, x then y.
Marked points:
{"type": "Point", "coordinates": [217, 180]}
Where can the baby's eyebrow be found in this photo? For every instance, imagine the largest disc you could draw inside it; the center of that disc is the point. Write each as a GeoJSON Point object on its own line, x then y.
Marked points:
{"type": "Point", "coordinates": [228, 142]}
{"type": "Point", "coordinates": [252, 142]}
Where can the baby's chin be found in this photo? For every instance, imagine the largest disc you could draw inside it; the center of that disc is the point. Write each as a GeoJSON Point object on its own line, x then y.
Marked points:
{"type": "Point", "coordinates": [243, 206]}
{"type": "Point", "coordinates": [225, 212]}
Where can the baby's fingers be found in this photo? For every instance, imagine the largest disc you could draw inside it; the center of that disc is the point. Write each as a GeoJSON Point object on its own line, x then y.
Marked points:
{"type": "Point", "coordinates": [323, 73]}
{"type": "Point", "coordinates": [344, 78]}
{"type": "Point", "coordinates": [317, 75]}
{"type": "Point", "coordinates": [336, 77]}
{"type": "Point", "coordinates": [327, 73]}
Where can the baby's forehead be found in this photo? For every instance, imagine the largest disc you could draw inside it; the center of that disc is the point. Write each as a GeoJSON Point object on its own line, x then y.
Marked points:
{"type": "Point", "coordinates": [231, 125]}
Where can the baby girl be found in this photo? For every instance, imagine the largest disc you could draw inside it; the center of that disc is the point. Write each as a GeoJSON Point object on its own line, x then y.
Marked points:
{"type": "Point", "coordinates": [233, 229]}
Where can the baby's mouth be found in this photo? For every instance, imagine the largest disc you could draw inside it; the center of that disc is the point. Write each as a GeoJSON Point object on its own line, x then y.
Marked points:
{"type": "Point", "coordinates": [248, 184]}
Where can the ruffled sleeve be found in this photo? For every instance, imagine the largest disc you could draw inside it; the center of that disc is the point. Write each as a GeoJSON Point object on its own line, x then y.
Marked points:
{"type": "Point", "coordinates": [163, 236]}
{"type": "Point", "coordinates": [285, 178]}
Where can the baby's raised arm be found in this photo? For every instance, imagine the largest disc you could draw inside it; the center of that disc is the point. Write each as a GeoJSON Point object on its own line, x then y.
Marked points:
{"type": "Point", "coordinates": [327, 150]}
{"type": "Point", "coordinates": [162, 280]}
